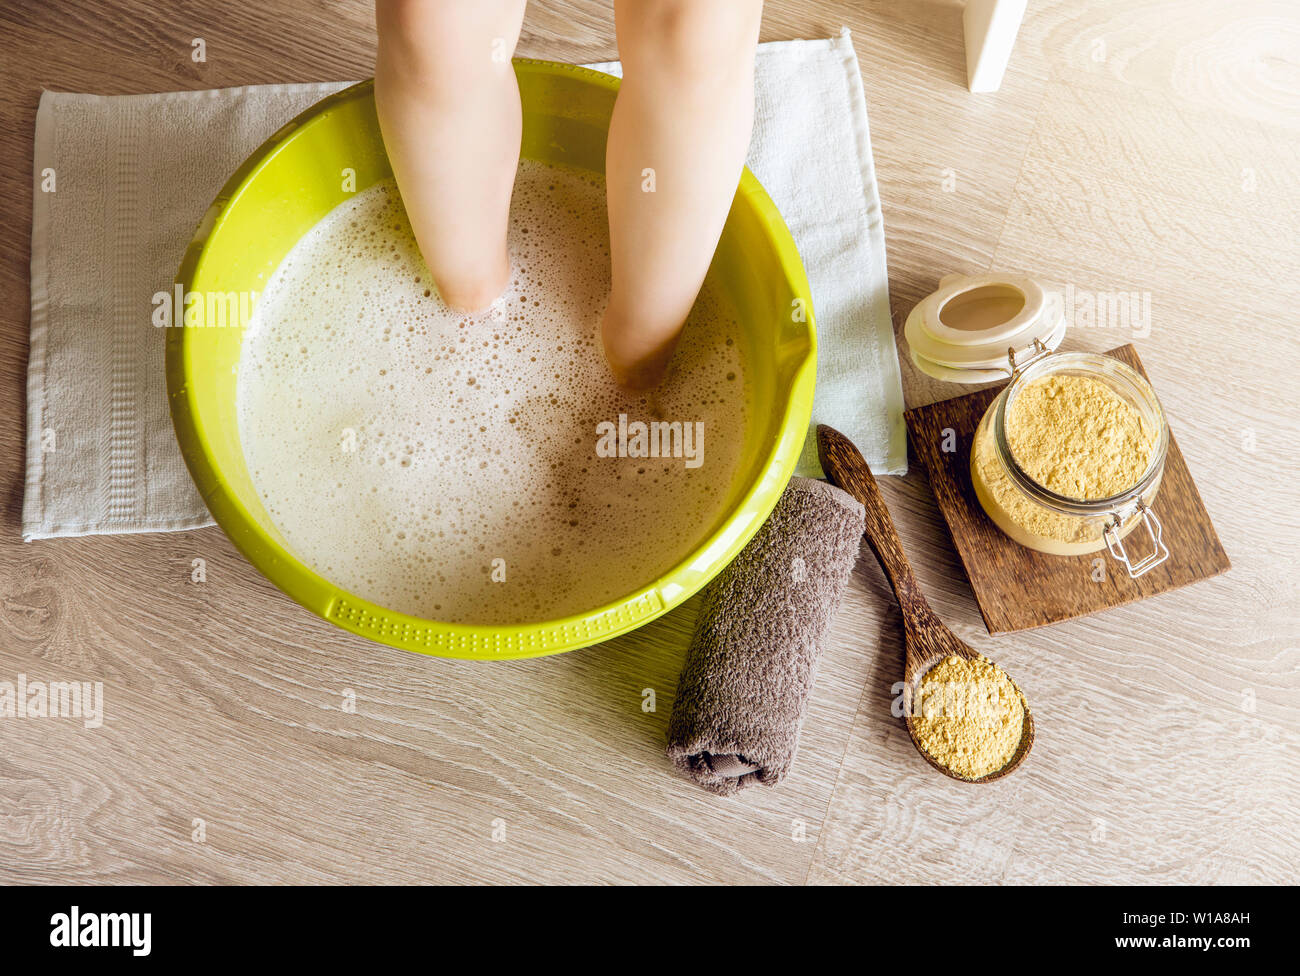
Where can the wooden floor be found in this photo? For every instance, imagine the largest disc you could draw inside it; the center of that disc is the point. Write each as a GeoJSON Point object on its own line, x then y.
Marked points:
{"type": "Point", "coordinates": [1143, 146]}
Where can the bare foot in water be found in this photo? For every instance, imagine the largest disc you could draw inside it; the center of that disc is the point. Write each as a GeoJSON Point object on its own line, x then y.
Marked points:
{"type": "Point", "coordinates": [474, 297]}
{"type": "Point", "coordinates": [638, 359]}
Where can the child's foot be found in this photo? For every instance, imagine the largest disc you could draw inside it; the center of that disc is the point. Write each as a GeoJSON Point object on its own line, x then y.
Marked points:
{"type": "Point", "coordinates": [638, 364]}
{"type": "Point", "coordinates": [475, 296]}
{"type": "Point", "coordinates": [633, 381]}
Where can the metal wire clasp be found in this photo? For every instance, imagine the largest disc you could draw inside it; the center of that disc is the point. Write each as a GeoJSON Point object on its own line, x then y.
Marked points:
{"type": "Point", "coordinates": [1040, 350]}
{"type": "Point", "coordinates": [1116, 545]}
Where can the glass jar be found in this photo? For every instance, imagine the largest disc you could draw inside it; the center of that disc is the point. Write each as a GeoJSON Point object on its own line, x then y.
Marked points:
{"type": "Point", "coordinates": [1041, 519]}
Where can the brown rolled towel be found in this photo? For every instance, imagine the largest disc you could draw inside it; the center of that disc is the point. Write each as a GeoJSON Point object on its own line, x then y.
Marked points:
{"type": "Point", "coordinates": [742, 694]}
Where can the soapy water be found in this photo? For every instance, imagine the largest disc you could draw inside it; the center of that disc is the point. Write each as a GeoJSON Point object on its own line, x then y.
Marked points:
{"type": "Point", "coordinates": [480, 469]}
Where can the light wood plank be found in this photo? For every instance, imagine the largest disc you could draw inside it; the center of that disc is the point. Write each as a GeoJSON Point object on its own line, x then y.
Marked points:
{"type": "Point", "coordinates": [1168, 736]}
{"type": "Point", "coordinates": [223, 698]}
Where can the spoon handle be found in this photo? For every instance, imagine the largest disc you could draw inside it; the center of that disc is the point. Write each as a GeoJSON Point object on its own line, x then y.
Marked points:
{"type": "Point", "coordinates": [846, 467]}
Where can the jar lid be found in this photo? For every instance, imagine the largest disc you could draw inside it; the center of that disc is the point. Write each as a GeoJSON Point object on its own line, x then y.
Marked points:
{"type": "Point", "coordinates": [963, 332]}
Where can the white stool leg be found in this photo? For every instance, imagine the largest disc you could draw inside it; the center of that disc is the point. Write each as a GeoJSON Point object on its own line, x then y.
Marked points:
{"type": "Point", "coordinates": [990, 27]}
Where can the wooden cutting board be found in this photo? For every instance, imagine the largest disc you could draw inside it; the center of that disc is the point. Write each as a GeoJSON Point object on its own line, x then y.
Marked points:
{"type": "Point", "coordinates": [1019, 588]}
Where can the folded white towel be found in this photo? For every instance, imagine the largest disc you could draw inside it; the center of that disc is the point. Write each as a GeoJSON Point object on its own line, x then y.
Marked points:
{"type": "Point", "coordinates": [121, 182]}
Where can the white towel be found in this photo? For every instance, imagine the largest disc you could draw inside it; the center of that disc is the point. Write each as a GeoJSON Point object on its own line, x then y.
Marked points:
{"type": "Point", "coordinates": [120, 184]}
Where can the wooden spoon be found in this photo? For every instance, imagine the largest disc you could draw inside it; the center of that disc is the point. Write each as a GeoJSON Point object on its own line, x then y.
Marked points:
{"type": "Point", "coordinates": [929, 640]}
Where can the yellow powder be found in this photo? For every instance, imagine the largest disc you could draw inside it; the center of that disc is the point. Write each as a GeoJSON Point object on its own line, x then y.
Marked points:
{"type": "Point", "coordinates": [1076, 436]}
{"type": "Point", "coordinates": [1037, 521]}
{"type": "Point", "coordinates": [1072, 434]}
{"type": "Point", "coordinates": [969, 716]}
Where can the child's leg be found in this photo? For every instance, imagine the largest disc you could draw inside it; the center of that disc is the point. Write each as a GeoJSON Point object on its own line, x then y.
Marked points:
{"type": "Point", "coordinates": [677, 144]}
{"type": "Point", "coordinates": [449, 110]}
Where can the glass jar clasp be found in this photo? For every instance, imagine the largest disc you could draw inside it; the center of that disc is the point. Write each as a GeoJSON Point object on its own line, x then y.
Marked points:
{"type": "Point", "coordinates": [1116, 544]}
{"type": "Point", "coordinates": [1040, 350]}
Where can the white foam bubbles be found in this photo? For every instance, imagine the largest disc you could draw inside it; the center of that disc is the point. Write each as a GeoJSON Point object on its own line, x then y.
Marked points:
{"type": "Point", "coordinates": [445, 465]}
